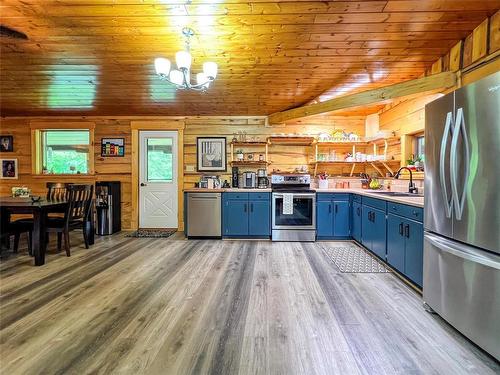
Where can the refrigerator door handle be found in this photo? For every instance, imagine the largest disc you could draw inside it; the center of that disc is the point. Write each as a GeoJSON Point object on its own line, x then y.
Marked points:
{"type": "Point", "coordinates": [463, 251]}
{"type": "Point", "coordinates": [448, 202]}
{"type": "Point", "coordinates": [459, 128]}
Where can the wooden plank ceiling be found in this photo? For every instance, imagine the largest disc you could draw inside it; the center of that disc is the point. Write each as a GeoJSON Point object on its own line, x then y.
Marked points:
{"type": "Point", "coordinates": [95, 57]}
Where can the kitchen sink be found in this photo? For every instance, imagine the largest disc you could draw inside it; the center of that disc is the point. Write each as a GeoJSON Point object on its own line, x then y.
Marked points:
{"type": "Point", "coordinates": [396, 194]}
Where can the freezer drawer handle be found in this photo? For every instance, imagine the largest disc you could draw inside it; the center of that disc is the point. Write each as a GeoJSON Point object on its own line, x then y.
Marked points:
{"type": "Point", "coordinates": [448, 202]}
{"type": "Point", "coordinates": [462, 251]}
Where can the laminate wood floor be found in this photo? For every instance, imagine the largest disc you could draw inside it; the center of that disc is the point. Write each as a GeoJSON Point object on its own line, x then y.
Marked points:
{"type": "Point", "coordinates": [171, 306]}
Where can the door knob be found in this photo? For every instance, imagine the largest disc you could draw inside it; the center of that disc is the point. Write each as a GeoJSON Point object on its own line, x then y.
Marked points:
{"type": "Point", "coordinates": [143, 184]}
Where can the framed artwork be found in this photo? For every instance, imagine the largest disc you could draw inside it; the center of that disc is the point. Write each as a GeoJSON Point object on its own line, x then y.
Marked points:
{"type": "Point", "coordinates": [112, 147]}
{"type": "Point", "coordinates": [9, 169]}
{"type": "Point", "coordinates": [6, 143]}
{"type": "Point", "coordinates": [211, 154]}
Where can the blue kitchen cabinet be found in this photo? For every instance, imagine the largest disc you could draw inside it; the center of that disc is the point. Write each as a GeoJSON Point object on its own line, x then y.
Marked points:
{"type": "Point", "coordinates": [405, 244]}
{"type": "Point", "coordinates": [235, 217]}
{"type": "Point", "coordinates": [356, 221]}
{"type": "Point", "coordinates": [246, 215]}
{"type": "Point", "coordinates": [414, 251]}
{"type": "Point", "coordinates": [379, 234]}
{"type": "Point", "coordinates": [374, 226]}
{"type": "Point", "coordinates": [332, 216]}
{"type": "Point", "coordinates": [324, 219]}
{"type": "Point", "coordinates": [396, 242]}
{"type": "Point", "coordinates": [259, 220]}
{"type": "Point", "coordinates": [341, 218]}
{"type": "Point", "coordinates": [366, 227]}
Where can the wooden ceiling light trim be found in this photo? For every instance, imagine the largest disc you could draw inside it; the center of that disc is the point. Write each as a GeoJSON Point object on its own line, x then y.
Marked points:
{"type": "Point", "coordinates": [439, 81]}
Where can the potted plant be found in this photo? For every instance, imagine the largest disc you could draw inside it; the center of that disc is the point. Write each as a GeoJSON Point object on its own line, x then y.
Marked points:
{"type": "Point", "coordinates": [239, 154]}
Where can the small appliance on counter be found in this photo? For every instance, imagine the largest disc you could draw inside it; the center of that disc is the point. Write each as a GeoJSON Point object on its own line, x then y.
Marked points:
{"type": "Point", "coordinates": [210, 182]}
{"type": "Point", "coordinates": [108, 207]}
{"type": "Point", "coordinates": [235, 182]}
{"type": "Point", "coordinates": [249, 180]}
{"type": "Point", "coordinates": [262, 180]}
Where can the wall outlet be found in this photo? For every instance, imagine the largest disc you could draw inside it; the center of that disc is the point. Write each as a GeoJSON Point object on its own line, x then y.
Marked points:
{"type": "Point", "coordinates": [189, 168]}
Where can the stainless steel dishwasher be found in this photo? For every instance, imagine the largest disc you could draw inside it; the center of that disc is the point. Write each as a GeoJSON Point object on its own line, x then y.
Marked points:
{"type": "Point", "coordinates": [204, 215]}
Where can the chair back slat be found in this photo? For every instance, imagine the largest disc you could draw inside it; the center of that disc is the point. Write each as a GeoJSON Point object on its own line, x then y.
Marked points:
{"type": "Point", "coordinates": [57, 191]}
{"type": "Point", "coordinates": [79, 202]}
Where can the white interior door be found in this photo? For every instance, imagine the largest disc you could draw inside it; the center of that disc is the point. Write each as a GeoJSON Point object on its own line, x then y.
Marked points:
{"type": "Point", "coordinates": [158, 200]}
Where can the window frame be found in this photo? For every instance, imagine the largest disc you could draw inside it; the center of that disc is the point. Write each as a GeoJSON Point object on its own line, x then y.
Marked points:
{"type": "Point", "coordinates": [37, 129]}
{"type": "Point", "coordinates": [416, 139]}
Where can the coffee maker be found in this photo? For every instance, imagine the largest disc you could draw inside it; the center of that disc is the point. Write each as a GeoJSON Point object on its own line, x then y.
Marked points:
{"type": "Point", "coordinates": [235, 177]}
{"type": "Point", "coordinates": [262, 180]}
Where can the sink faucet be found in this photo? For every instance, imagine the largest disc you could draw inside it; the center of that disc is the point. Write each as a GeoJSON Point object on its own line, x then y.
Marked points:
{"type": "Point", "coordinates": [411, 187]}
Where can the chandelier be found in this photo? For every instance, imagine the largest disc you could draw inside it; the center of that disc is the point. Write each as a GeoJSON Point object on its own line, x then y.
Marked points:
{"type": "Point", "coordinates": [181, 77]}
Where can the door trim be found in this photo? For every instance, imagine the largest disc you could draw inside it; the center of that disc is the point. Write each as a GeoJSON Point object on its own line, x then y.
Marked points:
{"type": "Point", "coordinates": [166, 125]}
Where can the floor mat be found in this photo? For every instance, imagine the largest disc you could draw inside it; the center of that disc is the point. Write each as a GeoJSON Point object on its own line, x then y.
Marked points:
{"type": "Point", "coordinates": [152, 233]}
{"type": "Point", "coordinates": [353, 259]}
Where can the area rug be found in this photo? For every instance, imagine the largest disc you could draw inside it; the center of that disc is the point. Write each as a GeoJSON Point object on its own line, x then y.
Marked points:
{"type": "Point", "coordinates": [353, 259]}
{"type": "Point", "coordinates": [152, 233]}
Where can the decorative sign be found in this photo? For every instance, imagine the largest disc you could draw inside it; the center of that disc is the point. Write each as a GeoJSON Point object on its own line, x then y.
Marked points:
{"type": "Point", "coordinates": [211, 154]}
{"type": "Point", "coordinates": [111, 147]}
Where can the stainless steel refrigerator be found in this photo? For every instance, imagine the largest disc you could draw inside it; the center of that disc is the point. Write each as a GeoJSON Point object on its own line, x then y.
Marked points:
{"type": "Point", "coordinates": [462, 211]}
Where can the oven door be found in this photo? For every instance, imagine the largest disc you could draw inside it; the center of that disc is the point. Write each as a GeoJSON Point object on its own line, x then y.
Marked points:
{"type": "Point", "coordinates": [304, 212]}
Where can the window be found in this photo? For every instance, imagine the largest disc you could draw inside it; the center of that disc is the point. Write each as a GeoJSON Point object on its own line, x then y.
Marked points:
{"type": "Point", "coordinates": [160, 166]}
{"type": "Point", "coordinates": [420, 147]}
{"type": "Point", "coordinates": [65, 151]}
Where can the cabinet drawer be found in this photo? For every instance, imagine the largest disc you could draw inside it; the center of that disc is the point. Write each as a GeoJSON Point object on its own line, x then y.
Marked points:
{"type": "Point", "coordinates": [259, 196]}
{"type": "Point", "coordinates": [356, 198]}
{"type": "Point", "coordinates": [236, 196]}
{"type": "Point", "coordinates": [332, 196]}
{"type": "Point", "coordinates": [411, 212]}
{"type": "Point", "coordinates": [375, 203]}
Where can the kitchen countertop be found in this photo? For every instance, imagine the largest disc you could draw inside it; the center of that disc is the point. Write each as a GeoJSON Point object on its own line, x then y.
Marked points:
{"type": "Point", "coordinates": [227, 190]}
{"type": "Point", "coordinates": [417, 201]}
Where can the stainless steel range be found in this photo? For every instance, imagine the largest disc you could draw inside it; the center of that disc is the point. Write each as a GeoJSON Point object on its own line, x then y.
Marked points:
{"type": "Point", "coordinates": [293, 208]}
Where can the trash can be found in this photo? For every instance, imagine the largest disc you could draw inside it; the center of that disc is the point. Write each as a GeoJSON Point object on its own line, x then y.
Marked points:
{"type": "Point", "coordinates": [108, 208]}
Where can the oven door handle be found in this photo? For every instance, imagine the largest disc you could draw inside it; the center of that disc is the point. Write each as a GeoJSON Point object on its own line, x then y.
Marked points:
{"type": "Point", "coordinates": [295, 195]}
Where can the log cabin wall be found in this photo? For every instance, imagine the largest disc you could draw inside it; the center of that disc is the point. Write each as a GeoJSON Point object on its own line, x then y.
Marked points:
{"type": "Point", "coordinates": [284, 158]}
{"type": "Point", "coordinates": [472, 58]}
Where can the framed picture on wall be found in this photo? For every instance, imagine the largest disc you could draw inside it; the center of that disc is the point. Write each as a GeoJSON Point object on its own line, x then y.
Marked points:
{"type": "Point", "coordinates": [112, 147]}
{"type": "Point", "coordinates": [6, 143]}
{"type": "Point", "coordinates": [9, 169]}
{"type": "Point", "coordinates": [211, 154]}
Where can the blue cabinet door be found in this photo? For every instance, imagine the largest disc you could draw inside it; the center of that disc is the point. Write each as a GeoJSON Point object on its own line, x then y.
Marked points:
{"type": "Point", "coordinates": [324, 219]}
{"type": "Point", "coordinates": [366, 227]}
{"type": "Point", "coordinates": [235, 217]}
{"type": "Point", "coordinates": [259, 223]}
{"type": "Point", "coordinates": [379, 236]}
{"type": "Point", "coordinates": [414, 253]}
{"type": "Point", "coordinates": [356, 221]}
{"type": "Point", "coordinates": [341, 218]}
{"type": "Point", "coordinates": [396, 242]}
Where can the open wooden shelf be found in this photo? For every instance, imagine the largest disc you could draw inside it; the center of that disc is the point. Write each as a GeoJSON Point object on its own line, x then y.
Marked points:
{"type": "Point", "coordinates": [249, 162]}
{"type": "Point", "coordinates": [292, 141]}
{"type": "Point", "coordinates": [246, 144]}
{"type": "Point", "coordinates": [344, 143]}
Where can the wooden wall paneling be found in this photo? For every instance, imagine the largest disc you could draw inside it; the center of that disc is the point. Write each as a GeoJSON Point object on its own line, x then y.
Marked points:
{"type": "Point", "coordinates": [480, 41]}
{"type": "Point", "coordinates": [494, 33]}
{"type": "Point", "coordinates": [467, 54]}
{"type": "Point", "coordinates": [456, 57]}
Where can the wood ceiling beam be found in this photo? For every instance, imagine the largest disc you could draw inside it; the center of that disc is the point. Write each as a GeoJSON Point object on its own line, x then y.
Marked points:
{"type": "Point", "coordinates": [439, 81]}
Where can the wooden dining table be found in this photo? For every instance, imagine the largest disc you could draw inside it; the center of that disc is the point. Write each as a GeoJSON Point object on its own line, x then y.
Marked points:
{"type": "Point", "coordinates": [12, 206]}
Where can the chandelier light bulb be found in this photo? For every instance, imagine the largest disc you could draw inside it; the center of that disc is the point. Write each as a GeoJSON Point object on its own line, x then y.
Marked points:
{"type": "Point", "coordinates": [183, 60]}
{"type": "Point", "coordinates": [176, 77]}
{"type": "Point", "coordinates": [210, 70]}
{"type": "Point", "coordinates": [162, 66]}
{"type": "Point", "coordinates": [202, 79]}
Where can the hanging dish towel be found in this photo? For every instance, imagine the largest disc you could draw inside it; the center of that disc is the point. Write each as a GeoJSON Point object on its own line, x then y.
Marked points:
{"type": "Point", "coordinates": [287, 204]}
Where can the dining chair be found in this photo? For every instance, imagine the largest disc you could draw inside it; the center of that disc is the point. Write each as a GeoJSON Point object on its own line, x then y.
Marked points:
{"type": "Point", "coordinates": [77, 212]}
{"type": "Point", "coordinates": [57, 190]}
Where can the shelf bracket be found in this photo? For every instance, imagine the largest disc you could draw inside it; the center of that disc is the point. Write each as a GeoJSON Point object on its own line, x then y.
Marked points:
{"type": "Point", "coordinates": [378, 169]}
